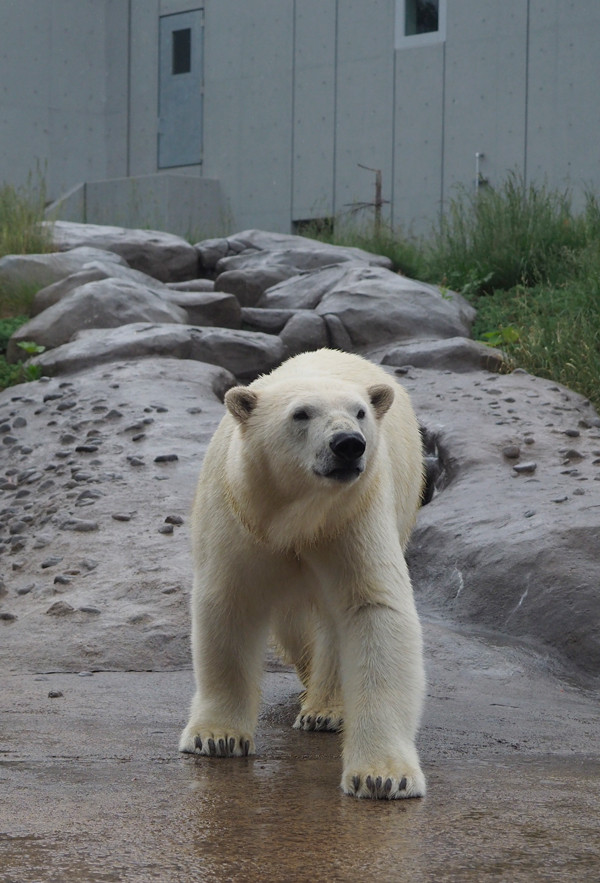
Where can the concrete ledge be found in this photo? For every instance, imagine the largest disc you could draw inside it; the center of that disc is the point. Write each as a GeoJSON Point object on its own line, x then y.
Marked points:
{"type": "Point", "coordinates": [187, 205]}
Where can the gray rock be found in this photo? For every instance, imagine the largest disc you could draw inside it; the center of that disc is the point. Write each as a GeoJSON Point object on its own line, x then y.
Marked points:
{"type": "Point", "coordinates": [108, 303]}
{"type": "Point", "coordinates": [492, 547]}
{"type": "Point", "coordinates": [93, 271]}
{"type": "Point", "coordinates": [192, 285]}
{"type": "Point", "coordinates": [244, 353]}
{"type": "Point", "coordinates": [161, 255]}
{"type": "Point", "coordinates": [210, 251]}
{"type": "Point", "coordinates": [269, 321]}
{"type": "Point", "coordinates": [266, 241]}
{"type": "Point", "coordinates": [305, 331]}
{"type": "Point", "coordinates": [452, 353]}
{"type": "Point", "coordinates": [39, 270]}
{"type": "Point", "coordinates": [215, 308]}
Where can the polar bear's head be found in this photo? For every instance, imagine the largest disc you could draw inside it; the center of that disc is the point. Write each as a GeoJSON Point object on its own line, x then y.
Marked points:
{"type": "Point", "coordinates": [311, 432]}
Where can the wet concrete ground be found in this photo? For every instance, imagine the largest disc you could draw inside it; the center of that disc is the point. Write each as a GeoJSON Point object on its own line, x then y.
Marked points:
{"type": "Point", "coordinates": [92, 787]}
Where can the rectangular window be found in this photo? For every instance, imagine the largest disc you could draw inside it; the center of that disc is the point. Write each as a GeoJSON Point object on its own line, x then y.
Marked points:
{"type": "Point", "coordinates": [421, 17]}
{"type": "Point", "coordinates": [182, 51]}
{"type": "Point", "coordinates": [420, 22]}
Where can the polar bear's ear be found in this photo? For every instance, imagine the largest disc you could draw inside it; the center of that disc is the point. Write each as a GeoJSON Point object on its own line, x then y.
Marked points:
{"type": "Point", "coordinates": [381, 396]}
{"type": "Point", "coordinates": [240, 402]}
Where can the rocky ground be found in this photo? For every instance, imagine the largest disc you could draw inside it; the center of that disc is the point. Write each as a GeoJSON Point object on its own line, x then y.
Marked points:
{"type": "Point", "coordinates": [98, 461]}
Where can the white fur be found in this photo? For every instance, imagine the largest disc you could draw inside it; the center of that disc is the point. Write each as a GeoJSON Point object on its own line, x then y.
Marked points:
{"type": "Point", "coordinates": [280, 544]}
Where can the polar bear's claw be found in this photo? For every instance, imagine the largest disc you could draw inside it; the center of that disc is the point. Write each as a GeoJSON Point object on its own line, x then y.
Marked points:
{"type": "Point", "coordinates": [330, 720]}
{"type": "Point", "coordinates": [210, 744]}
{"type": "Point", "coordinates": [384, 788]}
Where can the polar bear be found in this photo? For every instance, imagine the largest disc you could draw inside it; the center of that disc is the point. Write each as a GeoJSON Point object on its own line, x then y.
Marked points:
{"type": "Point", "coordinates": [308, 493]}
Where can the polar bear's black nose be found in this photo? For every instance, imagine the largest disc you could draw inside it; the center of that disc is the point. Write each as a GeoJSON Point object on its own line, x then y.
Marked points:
{"type": "Point", "coordinates": [348, 446]}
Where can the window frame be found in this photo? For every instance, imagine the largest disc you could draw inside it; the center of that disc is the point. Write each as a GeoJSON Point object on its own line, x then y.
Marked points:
{"type": "Point", "coordinates": [410, 41]}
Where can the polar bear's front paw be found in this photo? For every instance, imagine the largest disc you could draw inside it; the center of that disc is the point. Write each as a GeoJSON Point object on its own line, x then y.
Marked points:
{"type": "Point", "coordinates": [384, 784]}
{"type": "Point", "coordinates": [215, 742]}
{"type": "Point", "coordinates": [319, 719]}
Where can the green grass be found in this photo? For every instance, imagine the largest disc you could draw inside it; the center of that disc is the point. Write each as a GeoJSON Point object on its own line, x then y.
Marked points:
{"type": "Point", "coordinates": [527, 262]}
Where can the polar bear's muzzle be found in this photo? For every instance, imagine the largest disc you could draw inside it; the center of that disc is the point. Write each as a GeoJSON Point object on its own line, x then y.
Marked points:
{"type": "Point", "coordinates": [347, 461]}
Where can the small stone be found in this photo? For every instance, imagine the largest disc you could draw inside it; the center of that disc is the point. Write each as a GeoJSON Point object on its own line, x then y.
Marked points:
{"type": "Point", "coordinates": [85, 674]}
{"type": "Point", "coordinates": [55, 694]}
{"type": "Point", "coordinates": [89, 564]}
{"type": "Point", "coordinates": [529, 514]}
{"type": "Point", "coordinates": [61, 580]}
{"type": "Point", "coordinates": [19, 422]}
{"type": "Point", "coordinates": [511, 452]}
{"type": "Point", "coordinates": [60, 608]}
{"type": "Point", "coordinates": [579, 492]}
{"type": "Point", "coordinates": [113, 414]}
{"type": "Point", "coordinates": [25, 590]}
{"type": "Point", "coordinates": [42, 541]}
{"type": "Point", "coordinates": [139, 436]}
{"type": "Point", "coordinates": [51, 562]}
{"type": "Point", "coordinates": [121, 516]}
{"type": "Point", "coordinates": [572, 433]}
{"type": "Point", "coordinates": [166, 458]}
{"type": "Point", "coordinates": [560, 499]}
{"type": "Point", "coordinates": [66, 406]}
{"type": "Point", "coordinates": [173, 519]}
{"type": "Point", "coordinates": [94, 611]}
{"type": "Point", "coordinates": [79, 524]}
{"type": "Point", "coordinates": [135, 461]}
{"type": "Point", "coordinates": [7, 617]}
{"type": "Point", "coordinates": [166, 529]}
{"type": "Point", "coordinates": [525, 468]}
{"type": "Point", "coordinates": [86, 449]}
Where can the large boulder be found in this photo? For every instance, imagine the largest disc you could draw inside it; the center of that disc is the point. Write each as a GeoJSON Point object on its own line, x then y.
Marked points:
{"type": "Point", "coordinates": [207, 307]}
{"type": "Point", "coordinates": [161, 255]}
{"type": "Point", "coordinates": [35, 271]}
{"type": "Point", "coordinates": [95, 495]}
{"type": "Point", "coordinates": [108, 303]}
{"type": "Point", "coordinates": [510, 540]}
{"type": "Point", "coordinates": [244, 353]}
{"type": "Point", "coordinates": [93, 271]}
{"type": "Point", "coordinates": [449, 354]}
{"type": "Point", "coordinates": [212, 251]}
{"type": "Point", "coordinates": [366, 307]}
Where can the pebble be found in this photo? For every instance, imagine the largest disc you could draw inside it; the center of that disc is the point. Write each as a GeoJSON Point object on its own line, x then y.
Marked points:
{"type": "Point", "coordinates": [55, 694]}
{"type": "Point", "coordinates": [135, 461]}
{"type": "Point", "coordinates": [51, 562]}
{"type": "Point", "coordinates": [560, 499]}
{"type": "Point", "coordinates": [572, 433]}
{"type": "Point", "coordinates": [166, 529]}
{"type": "Point", "coordinates": [61, 580]}
{"type": "Point", "coordinates": [173, 519]}
{"type": "Point", "coordinates": [529, 514]}
{"type": "Point", "coordinates": [7, 617]}
{"type": "Point", "coordinates": [25, 590]}
{"type": "Point", "coordinates": [525, 468]}
{"type": "Point", "coordinates": [94, 611]}
{"type": "Point", "coordinates": [79, 524]}
{"type": "Point", "coordinates": [113, 414]}
{"type": "Point", "coordinates": [511, 452]}
{"type": "Point", "coordinates": [166, 458]}
{"type": "Point", "coordinates": [86, 449]}
{"type": "Point", "coordinates": [89, 564]}
{"type": "Point", "coordinates": [121, 516]}
{"type": "Point", "coordinates": [60, 608]}
{"type": "Point", "coordinates": [579, 491]}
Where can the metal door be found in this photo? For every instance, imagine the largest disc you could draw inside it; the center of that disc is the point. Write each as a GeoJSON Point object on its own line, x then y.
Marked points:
{"type": "Point", "coordinates": [180, 89]}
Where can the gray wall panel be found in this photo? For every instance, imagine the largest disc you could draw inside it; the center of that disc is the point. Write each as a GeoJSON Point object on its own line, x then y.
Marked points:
{"type": "Point", "coordinates": [364, 101]}
{"type": "Point", "coordinates": [314, 109]}
{"type": "Point", "coordinates": [418, 138]}
{"type": "Point", "coordinates": [564, 81]}
{"type": "Point", "coordinates": [486, 54]}
{"type": "Point", "coordinates": [248, 112]}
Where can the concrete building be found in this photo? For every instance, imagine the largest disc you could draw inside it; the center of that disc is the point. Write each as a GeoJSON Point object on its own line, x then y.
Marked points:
{"type": "Point", "coordinates": [201, 117]}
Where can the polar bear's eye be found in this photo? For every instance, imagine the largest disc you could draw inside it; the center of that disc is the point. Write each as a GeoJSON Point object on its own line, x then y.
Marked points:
{"type": "Point", "coordinates": [300, 414]}
{"type": "Point", "coordinates": [361, 414]}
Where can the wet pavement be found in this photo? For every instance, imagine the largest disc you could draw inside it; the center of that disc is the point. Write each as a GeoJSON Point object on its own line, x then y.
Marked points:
{"type": "Point", "coordinates": [92, 787]}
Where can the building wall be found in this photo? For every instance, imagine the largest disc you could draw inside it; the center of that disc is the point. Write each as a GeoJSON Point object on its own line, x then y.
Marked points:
{"type": "Point", "coordinates": [298, 94]}
{"type": "Point", "coordinates": [63, 90]}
